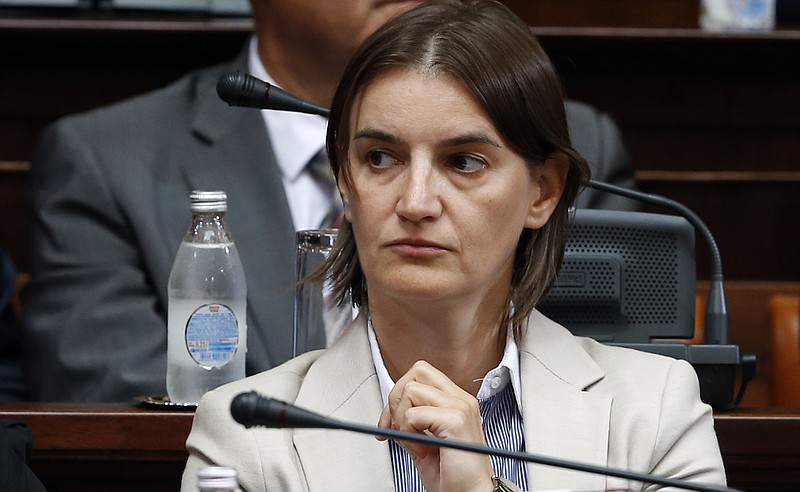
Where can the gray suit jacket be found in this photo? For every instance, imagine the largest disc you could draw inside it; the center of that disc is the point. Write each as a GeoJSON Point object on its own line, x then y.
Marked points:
{"type": "Point", "coordinates": [110, 204]}
{"type": "Point", "coordinates": [582, 401]}
{"type": "Point", "coordinates": [110, 201]}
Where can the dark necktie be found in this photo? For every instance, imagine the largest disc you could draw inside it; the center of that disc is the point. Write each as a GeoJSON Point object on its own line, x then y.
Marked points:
{"type": "Point", "coordinates": [320, 170]}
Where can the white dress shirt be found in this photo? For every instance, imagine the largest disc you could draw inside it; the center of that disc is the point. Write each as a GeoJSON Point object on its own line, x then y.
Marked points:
{"type": "Point", "coordinates": [295, 139]}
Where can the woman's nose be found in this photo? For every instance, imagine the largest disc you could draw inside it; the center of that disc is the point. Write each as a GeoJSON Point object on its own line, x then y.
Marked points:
{"type": "Point", "coordinates": [419, 193]}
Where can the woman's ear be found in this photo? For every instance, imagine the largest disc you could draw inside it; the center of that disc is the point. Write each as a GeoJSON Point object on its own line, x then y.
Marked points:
{"type": "Point", "coordinates": [548, 185]}
{"type": "Point", "coordinates": [344, 190]}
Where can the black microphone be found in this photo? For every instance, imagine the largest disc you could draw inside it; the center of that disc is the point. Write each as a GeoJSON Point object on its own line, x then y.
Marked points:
{"type": "Point", "coordinates": [253, 410]}
{"type": "Point", "coordinates": [244, 90]}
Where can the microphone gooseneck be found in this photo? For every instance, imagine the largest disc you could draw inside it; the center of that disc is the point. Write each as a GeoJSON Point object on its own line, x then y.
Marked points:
{"type": "Point", "coordinates": [243, 90]}
{"type": "Point", "coordinates": [251, 409]}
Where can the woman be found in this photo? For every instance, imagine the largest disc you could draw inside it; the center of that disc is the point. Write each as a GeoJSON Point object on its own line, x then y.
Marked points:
{"type": "Point", "coordinates": [449, 139]}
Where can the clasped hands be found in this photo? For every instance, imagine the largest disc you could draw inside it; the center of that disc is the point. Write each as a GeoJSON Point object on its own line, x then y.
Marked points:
{"type": "Point", "coordinates": [426, 401]}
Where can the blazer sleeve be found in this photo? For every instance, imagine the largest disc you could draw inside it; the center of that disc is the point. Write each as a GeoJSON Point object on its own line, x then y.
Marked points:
{"type": "Point", "coordinates": [264, 459]}
{"type": "Point", "coordinates": [215, 440]}
{"type": "Point", "coordinates": [94, 327]}
{"type": "Point", "coordinates": [686, 444]}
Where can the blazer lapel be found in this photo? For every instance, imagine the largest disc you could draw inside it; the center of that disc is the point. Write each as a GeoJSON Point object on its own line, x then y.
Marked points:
{"type": "Point", "coordinates": [561, 419]}
{"type": "Point", "coordinates": [344, 460]}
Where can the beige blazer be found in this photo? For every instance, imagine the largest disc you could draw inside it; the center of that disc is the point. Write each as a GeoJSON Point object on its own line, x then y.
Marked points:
{"type": "Point", "coordinates": [582, 401]}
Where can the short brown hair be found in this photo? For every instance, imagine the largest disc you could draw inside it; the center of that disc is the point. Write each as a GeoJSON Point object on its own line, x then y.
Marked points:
{"type": "Point", "coordinates": [486, 46]}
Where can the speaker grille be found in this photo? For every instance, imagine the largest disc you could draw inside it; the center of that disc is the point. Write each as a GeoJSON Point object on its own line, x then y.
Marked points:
{"type": "Point", "coordinates": [626, 277]}
{"type": "Point", "coordinates": [651, 276]}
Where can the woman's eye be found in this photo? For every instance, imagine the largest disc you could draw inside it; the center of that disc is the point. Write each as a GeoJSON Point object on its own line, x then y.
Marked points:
{"type": "Point", "coordinates": [380, 159]}
{"type": "Point", "coordinates": [467, 163]}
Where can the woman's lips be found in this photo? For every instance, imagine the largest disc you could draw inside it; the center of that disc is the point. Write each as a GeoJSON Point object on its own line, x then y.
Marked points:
{"type": "Point", "coordinates": [417, 247]}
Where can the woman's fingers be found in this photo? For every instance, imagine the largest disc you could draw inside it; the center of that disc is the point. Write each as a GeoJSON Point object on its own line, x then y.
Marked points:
{"type": "Point", "coordinates": [426, 401]}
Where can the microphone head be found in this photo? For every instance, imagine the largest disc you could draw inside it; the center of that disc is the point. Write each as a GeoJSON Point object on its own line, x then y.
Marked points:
{"type": "Point", "coordinates": [244, 408]}
{"type": "Point", "coordinates": [251, 409]}
{"type": "Point", "coordinates": [243, 90]}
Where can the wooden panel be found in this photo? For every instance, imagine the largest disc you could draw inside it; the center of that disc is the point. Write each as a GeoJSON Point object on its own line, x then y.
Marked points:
{"type": "Point", "coordinates": [753, 223]}
{"type": "Point", "coordinates": [54, 67]}
{"type": "Point", "coordinates": [690, 100]}
{"type": "Point", "coordinates": [83, 447]}
{"type": "Point", "coordinates": [761, 449]}
{"type": "Point", "coordinates": [14, 235]}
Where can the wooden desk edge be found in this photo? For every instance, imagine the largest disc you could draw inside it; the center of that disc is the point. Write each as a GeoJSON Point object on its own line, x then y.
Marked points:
{"type": "Point", "coordinates": [102, 427]}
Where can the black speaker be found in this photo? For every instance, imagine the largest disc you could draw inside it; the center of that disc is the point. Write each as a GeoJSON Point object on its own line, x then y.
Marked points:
{"type": "Point", "coordinates": [627, 277]}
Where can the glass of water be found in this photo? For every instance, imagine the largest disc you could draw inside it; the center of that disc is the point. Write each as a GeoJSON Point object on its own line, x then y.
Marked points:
{"type": "Point", "coordinates": [318, 320]}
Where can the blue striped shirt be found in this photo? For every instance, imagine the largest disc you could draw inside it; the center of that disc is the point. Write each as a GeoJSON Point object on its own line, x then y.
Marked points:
{"type": "Point", "coordinates": [500, 406]}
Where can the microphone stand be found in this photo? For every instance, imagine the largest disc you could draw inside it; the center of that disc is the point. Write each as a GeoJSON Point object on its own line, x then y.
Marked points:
{"type": "Point", "coordinates": [715, 361]}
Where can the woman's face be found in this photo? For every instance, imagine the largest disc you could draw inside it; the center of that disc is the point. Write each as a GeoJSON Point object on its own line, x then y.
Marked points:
{"type": "Point", "coordinates": [439, 199]}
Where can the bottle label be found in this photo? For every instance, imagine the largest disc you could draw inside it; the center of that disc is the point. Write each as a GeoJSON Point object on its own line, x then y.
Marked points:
{"type": "Point", "coordinates": [212, 335]}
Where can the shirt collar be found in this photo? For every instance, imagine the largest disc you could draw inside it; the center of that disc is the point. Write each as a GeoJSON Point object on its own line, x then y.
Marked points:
{"type": "Point", "coordinates": [493, 382]}
{"type": "Point", "coordinates": [295, 137]}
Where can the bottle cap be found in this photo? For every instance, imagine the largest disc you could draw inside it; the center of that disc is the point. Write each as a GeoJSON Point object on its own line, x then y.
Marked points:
{"type": "Point", "coordinates": [216, 477]}
{"type": "Point", "coordinates": [208, 201]}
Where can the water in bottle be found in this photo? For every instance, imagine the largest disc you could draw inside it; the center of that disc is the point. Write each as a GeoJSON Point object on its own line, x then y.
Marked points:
{"type": "Point", "coordinates": [207, 324]}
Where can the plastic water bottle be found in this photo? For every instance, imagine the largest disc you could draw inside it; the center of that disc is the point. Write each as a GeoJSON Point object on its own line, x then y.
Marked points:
{"type": "Point", "coordinates": [207, 306]}
{"type": "Point", "coordinates": [216, 479]}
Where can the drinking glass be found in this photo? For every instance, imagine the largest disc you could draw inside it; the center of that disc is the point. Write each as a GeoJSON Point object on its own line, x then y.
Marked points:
{"type": "Point", "coordinates": [318, 321]}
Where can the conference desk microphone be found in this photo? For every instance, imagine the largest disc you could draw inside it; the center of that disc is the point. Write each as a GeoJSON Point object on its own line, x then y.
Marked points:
{"type": "Point", "coordinates": [253, 410]}
{"type": "Point", "coordinates": [244, 90]}
{"type": "Point", "coordinates": [715, 359]}
{"type": "Point", "coordinates": [716, 314]}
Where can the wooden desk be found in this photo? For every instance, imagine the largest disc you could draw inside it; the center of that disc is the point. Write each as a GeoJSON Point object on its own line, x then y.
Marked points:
{"type": "Point", "coordinates": [761, 448]}
{"type": "Point", "coordinates": [118, 447]}
{"type": "Point", "coordinates": [107, 446]}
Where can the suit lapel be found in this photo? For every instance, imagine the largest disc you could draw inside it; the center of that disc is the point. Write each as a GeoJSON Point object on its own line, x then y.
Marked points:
{"type": "Point", "coordinates": [343, 460]}
{"type": "Point", "coordinates": [561, 419]}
